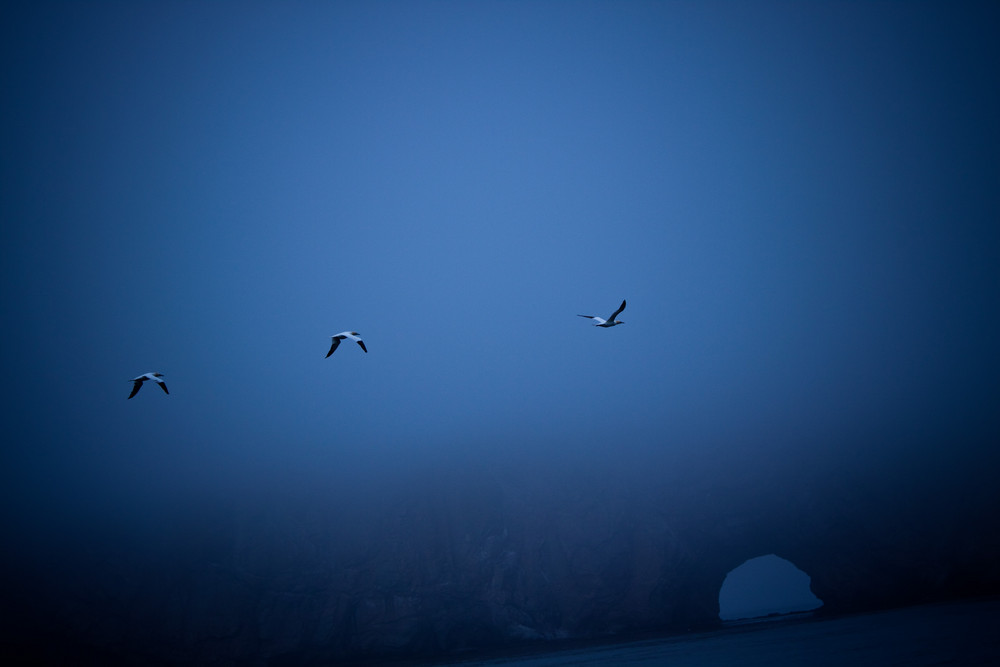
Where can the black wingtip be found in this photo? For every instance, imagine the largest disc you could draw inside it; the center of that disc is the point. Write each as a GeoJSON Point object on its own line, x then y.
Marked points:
{"type": "Point", "coordinates": [362, 344]}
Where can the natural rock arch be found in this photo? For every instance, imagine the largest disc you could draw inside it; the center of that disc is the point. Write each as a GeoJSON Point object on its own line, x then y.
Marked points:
{"type": "Point", "coordinates": [765, 585]}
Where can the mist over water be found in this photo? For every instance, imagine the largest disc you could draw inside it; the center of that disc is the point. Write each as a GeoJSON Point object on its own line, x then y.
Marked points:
{"type": "Point", "coordinates": [928, 635]}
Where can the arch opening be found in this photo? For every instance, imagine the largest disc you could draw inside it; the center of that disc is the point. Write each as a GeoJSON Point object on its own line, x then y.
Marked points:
{"type": "Point", "coordinates": [765, 586]}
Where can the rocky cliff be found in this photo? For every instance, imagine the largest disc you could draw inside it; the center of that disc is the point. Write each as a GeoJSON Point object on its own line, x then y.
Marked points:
{"type": "Point", "coordinates": [467, 559]}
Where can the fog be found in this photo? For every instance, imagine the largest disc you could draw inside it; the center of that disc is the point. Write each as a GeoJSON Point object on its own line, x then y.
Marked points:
{"type": "Point", "coordinates": [799, 204]}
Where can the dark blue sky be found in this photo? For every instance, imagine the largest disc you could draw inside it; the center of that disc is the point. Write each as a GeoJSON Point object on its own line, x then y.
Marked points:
{"type": "Point", "coordinates": [800, 202]}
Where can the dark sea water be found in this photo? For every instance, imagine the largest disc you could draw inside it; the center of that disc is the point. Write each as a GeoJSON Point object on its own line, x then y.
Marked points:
{"type": "Point", "coordinates": [965, 633]}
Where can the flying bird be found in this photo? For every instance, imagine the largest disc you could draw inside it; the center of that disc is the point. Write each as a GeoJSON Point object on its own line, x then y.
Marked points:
{"type": "Point", "coordinates": [353, 335]}
{"type": "Point", "coordinates": [611, 321]}
{"type": "Point", "coordinates": [155, 377]}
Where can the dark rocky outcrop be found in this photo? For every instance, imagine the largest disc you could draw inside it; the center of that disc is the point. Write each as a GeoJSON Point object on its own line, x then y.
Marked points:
{"type": "Point", "coordinates": [474, 558]}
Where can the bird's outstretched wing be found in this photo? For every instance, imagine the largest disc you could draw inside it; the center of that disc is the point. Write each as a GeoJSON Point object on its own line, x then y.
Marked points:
{"type": "Point", "coordinates": [136, 386]}
{"type": "Point", "coordinates": [617, 312]}
{"type": "Point", "coordinates": [333, 347]}
{"type": "Point", "coordinates": [362, 344]}
{"type": "Point", "coordinates": [163, 386]}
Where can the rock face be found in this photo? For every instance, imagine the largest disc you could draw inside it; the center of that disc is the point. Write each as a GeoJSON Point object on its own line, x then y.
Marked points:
{"type": "Point", "coordinates": [471, 560]}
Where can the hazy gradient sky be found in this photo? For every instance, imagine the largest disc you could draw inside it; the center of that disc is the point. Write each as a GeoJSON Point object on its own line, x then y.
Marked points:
{"type": "Point", "coordinates": [800, 202]}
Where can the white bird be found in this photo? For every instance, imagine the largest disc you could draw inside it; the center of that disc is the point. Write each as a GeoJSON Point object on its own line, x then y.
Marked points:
{"type": "Point", "coordinates": [611, 321]}
{"type": "Point", "coordinates": [353, 335]}
{"type": "Point", "coordinates": [155, 377]}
